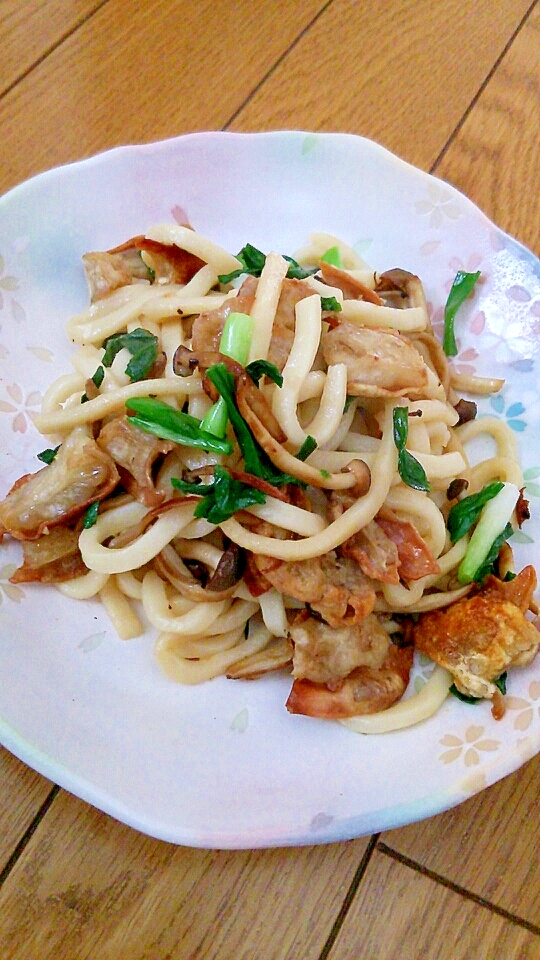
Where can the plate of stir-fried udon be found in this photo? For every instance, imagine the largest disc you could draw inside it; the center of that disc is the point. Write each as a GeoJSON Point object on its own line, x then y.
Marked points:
{"type": "Point", "coordinates": [270, 419]}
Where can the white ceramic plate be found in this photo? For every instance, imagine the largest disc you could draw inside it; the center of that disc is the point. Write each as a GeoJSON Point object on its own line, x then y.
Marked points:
{"type": "Point", "coordinates": [223, 764]}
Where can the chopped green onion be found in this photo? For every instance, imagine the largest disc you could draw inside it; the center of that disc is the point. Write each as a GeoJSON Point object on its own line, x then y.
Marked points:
{"type": "Point", "coordinates": [165, 422]}
{"type": "Point", "coordinates": [333, 257]}
{"type": "Point", "coordinates": [492, 529]}
{"type": "Point", "coordinates": [460, 290]}
{"type": "Point", "coordinates": [410, 470]}
{"type": "Point", "coordinates": [235, 343]}
{"type": "Point", "coordinates": [464, 514]}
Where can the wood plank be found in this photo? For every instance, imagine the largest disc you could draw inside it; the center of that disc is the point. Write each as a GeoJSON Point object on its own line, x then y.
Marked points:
{"type": "Point", "coordinates": [89, 887]}
{"type": "Point", "coordinates": [495, 157]}
{"type": "Point", "coordinates": [500, 832]}
{"type": "Point", "coordinates": [378, 70]}
{"type": "Point", "coordinates": [23, 792]}
{"type": "Point", "coordinates": [165, 69]}
{"type": "Point", "coordinates": [399, 912]}
{"type": "Point", "coordinates": [30, 28]}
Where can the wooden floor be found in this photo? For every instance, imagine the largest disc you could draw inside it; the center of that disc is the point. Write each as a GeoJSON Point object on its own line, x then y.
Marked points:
{"type": "Point", "coordinates": [453, 87]}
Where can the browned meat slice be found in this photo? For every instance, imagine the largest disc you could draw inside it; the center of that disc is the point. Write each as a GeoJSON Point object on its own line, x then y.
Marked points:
{"type": "Point", "coordinates": [79, 474]}
{"type": "Point", "coordinates": [292, 291]}
{"type": "Point", "coordinates": [479, 637]}
{"type": "Point", "coordinates": [415, 558]}
{"type": "Point", "coordinates": [53, 558]}
{"type": "Point", "coordinates": [135, 453]}
{"type": "Point", "coordinates": [374, 552]}
{"type": "Point", "coordinates": [365, 690]}
{"type": "Point", "coordinates": [380, 363]}
{"type": "Point", "coordinates": [107, 270]}
{"type": "Point", "coordinates": [334, 587]}
{"type": "Point", "coordinates": [324, 654]}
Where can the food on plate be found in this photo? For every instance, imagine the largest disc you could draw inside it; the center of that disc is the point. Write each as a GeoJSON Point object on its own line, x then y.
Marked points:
{"type": "Point", "coordinates": [268, 456]}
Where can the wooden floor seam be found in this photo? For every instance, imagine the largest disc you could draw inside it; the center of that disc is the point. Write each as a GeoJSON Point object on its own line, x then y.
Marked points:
{"type": "Point", "coordinates": [28, 834]}
{"type": "Point", "coordinates": [277, 63]}
{"type": "Point", "coordinates": [54, 46]}
{"type": "Point", "coordinates": [483, 86]}
{"type": "Point", "coordinates": [456, 888]}
{"type": "Point", "coordinates": [349, 896]}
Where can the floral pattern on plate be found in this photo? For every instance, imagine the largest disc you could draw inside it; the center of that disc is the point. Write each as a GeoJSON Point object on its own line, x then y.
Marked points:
{"type": "Point", "coordinates": [224, 764]}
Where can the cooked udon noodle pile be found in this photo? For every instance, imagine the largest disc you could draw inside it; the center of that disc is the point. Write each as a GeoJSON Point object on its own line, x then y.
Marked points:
{"type": "Point", "coordinates": [270, 455]}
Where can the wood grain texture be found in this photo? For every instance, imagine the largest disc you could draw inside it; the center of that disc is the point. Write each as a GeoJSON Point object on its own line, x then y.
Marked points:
{"type": "Point", "coordinates": [31, 28]}
{"type": "Point", "coordinates": [400, 914]}
{"type": "Point", "coordinates": [499, 829]}
{"type": "Point", "coordinates": [379, 69]}
{"type": "Point", "coordinates": [89, 887]}
{"type": "Point", "coordinates": [495, 157]}
{"type": "Point", "coordinates": [146, 73]}
{"type": "Point", "coordinates": [22, 793]}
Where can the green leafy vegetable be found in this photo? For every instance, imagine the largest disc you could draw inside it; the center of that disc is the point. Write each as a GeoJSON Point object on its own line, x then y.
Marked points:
{"type": "Point", "coordinates": [255, 460]}
{"type": "Point", "coordinates": [333, 257]}
{"type": "Point", "coordinates": [262, 368]}
{"type": "Point", "coordinates": [91, 515]}
{"type": "Point", "coordinates": [47, 456]}
{"type": "Point", "coordinates": [410, 470]}
{"type": "Point", "coordinates": [97, 379]}
{"type": "Point", "coordinates": [460, 290]}
{"type": "Point", "coordinates": [253, 261]}
{"type": "Point", "coordinates": [164, 421]}
{"type": "Point", "coordinates": [308, 446]}
{"type": "Point", "coordinates": [143, 347]}
{"type": "Point", "coordinates": [330, 303]}
{"type": "Point", "coordinates": [464, 514]}
{"type": "Point", "coordinates": [492, 529]}
{"type": "Point", "coordinates": [221, 499]}
{"type": "Point", "coordinates": [296, 272]}
{"type": "Point", "coordinates": [500, 682]}
{"type": "Point", "coordinates": [348, 401]}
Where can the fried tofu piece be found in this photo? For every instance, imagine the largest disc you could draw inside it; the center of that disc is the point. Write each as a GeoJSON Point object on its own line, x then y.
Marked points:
{"type": "Point", "coordinates": [481, 636]}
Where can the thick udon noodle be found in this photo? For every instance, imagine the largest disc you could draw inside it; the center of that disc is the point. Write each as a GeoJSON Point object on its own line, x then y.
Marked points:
{"type": "Point", "coordinates": [201, 640]}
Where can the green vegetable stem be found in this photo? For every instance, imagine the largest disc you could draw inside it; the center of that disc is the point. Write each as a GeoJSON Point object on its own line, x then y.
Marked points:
{"type": "Point", "coordinates": [235, 343]}
{"type": "Point", "coordinates": [165, 422]}
{"type": "Point", "coordinates": [492, 529]}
